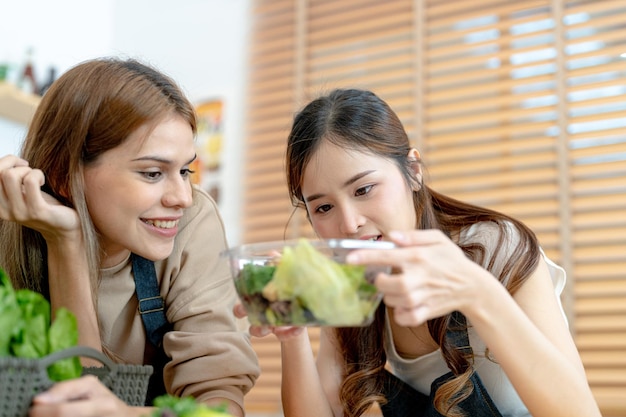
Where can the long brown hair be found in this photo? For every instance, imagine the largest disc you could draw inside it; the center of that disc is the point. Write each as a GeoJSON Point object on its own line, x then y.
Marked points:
{"type": "Point", "coordinates": [358, 119]}
{"type": "Point", "coordinates": [90, 109]}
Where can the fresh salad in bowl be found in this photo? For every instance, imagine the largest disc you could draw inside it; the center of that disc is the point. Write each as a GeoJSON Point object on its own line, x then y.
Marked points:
{"type": "Point", "coordinates": [306, 282]}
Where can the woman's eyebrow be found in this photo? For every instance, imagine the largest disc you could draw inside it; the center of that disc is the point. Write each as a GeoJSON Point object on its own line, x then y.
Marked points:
{"type": "Point", "coordinates": [348, 182]}
{"type": "Point", "coordinates": [357, 177]}
{"type": "Point", "coordinates": [162, 160]}
{"type": "Point", "coordinates": [153, 158]}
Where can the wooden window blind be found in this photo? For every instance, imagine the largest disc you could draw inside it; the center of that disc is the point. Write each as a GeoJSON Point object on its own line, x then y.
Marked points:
{"type": "Point", "coordinates": [519, 106]}
{"type": "Point", "coordinates": [594, 36]}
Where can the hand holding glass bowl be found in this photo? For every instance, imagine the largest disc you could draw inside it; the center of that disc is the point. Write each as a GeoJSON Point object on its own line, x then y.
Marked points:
{"type": "Point", "coordinates": [304, 282]}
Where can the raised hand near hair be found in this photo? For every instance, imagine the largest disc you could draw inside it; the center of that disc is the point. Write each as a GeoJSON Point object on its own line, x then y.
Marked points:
{"type": "Point", "coordinates": [23, 201]}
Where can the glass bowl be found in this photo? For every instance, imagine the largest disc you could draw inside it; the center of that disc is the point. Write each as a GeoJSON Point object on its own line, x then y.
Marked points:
{"type": "Point", "coordinates": [304, 282]}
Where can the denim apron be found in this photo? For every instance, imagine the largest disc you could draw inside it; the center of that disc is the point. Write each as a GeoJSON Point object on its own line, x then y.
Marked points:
{"type": "Point", "coordinates": [405, 401]}
{"type": "Point", "coordinates": [152, 311]}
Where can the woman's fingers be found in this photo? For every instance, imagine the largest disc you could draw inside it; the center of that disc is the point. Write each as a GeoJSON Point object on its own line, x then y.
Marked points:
{"type": "Point", "coordinates": [100, 407]}
{"type": "Point", "coordinates": [76, 389]}
{"type": "Point", "coordinates": [20, 185]}
{"type": "Point", "coordinates": [10, 161]}
{"type": "Point", "coordinates": [411, 246]}
{"type": "Point", "coordinates": [411, 317]}
{"type": "Point", "coordinates": [240, 311]}
{"type": "Point", "coordinates": [282, 333]}
{"type": "Point", "coordinates": [85, 396]}
{"type": "Point", "coordinates": [12, 198]}
{"type": "Point", "coordinates": [417, 237]}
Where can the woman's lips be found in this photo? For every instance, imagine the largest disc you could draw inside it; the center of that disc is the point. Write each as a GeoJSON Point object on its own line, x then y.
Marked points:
{"type": "Point", "coordinates": [162, 224]}
{"type": "Point", "coordinates": [372, 238]}
{"type": "Point", "coordinates": [163, 227]}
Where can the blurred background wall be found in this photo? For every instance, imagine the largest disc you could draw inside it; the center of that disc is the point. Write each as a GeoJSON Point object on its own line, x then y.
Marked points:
{"type": "Point", "coordinates": [202, 44]}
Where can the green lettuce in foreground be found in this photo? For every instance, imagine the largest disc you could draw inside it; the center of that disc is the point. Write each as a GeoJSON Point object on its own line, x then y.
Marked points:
{"type": "Point", "coordinates": [172, 406]}
{"type": "Point", "coordinates": [333, 298]}
{"type": "Point", "coordinates": [26, 329]}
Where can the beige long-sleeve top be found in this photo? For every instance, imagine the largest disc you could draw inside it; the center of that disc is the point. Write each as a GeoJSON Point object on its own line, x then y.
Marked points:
{"type": "Point", "coordinates": [211, 356]}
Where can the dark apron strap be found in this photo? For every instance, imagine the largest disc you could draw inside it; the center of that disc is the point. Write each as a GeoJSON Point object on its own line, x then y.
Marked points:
{"type": "Point", "coordinates": [152, 311]}
{"type": "Point", "coordinates": [405, 401]}
{"type": "Point", "coordinates": [151, 304]}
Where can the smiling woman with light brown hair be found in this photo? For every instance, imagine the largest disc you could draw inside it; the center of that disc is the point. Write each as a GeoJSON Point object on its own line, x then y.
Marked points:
{"type": "Point", "coordinates": [99, 208]}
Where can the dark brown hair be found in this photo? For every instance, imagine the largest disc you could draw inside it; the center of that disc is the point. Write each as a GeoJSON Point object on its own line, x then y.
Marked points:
{"type": "Point", "coordinates": [90, 109]}
{"type": "Point", "coordinates": [358, 119]}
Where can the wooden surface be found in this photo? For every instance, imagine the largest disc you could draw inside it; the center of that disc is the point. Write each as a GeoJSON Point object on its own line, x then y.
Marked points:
{"type": "Point", "coordinates": [16, 105]}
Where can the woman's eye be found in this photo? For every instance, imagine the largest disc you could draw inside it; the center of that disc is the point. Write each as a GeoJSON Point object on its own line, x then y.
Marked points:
{"type": "Point", "coordinates": [363, 190]}
{"type": "Point", "coordinates": [152, 175]}
{"type": "Point", "coordinates": [323, 208]}
{"type": "Point", "coordinates": [186, 172]}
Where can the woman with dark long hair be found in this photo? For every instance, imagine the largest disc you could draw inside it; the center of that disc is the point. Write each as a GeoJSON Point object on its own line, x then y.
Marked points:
{"type": "Point", "coordinates": [471, 323]}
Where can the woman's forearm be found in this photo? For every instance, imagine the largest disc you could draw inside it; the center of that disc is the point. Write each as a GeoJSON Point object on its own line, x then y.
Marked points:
{"type": "Point", "coordinates": [532, 361]}
{"type": "Point", "coordinates": [301, 388]}
{"type": "Point", "coordinates": [70, 287]}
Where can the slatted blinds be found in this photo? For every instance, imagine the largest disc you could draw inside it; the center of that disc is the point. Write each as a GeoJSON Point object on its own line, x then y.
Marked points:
{"type": "Point", "coordinates": [520, 106]}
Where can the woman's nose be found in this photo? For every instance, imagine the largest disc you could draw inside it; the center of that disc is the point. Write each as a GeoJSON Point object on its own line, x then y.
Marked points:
{"type": "Point", "coordinates": [178, 194]}
{"type": "Point", "coordinates": [351, 221]}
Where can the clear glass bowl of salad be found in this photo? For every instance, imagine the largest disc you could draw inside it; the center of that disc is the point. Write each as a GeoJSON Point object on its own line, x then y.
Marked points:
{"type": "Point", "coordinates": [303, 282]}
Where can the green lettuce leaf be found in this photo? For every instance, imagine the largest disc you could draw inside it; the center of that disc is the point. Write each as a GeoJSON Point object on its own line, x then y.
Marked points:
{"type": "Point", "coordinates": [64, 334]}
{"type": "Point", "coordinates": [10, 314]}
{"type": "Point", "coordinates": [31, 337]}
{"type": "Point", "coordinates": [334, 298]}
{"type": "Point", "coordinates": [172, 406]}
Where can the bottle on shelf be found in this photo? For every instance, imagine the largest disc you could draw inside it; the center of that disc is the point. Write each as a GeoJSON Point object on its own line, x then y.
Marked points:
{"type": "Point", "coordinates": [52, 75]}
{"type": "Point", "coordinates": [27, 81]}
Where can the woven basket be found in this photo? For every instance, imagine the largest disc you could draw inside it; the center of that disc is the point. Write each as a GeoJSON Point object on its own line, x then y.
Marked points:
{"type": "Point", "coordinates": [21, 379]}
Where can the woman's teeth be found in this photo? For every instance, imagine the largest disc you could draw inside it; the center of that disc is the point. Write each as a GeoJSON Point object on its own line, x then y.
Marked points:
{"type": "Point", "coordinates": [163, 224]}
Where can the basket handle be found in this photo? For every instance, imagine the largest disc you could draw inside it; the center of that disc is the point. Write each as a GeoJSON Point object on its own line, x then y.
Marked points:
{"type": "Point", "coordinates": [83, 351]}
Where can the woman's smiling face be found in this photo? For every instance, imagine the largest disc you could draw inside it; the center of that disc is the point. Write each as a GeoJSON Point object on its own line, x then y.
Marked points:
{"type": "Point", "coordinates": [356, 195]}
{"type": "Point", "coordinates": [137, 191]}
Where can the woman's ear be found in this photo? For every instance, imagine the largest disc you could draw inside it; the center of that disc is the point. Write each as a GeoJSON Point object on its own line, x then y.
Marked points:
{"type": "Point", "coordinates": [415, 164]}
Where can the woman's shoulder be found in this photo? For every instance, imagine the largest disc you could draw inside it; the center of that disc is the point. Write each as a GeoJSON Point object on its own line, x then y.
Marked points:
{"type": "Point", "coordinates": [489, 233]}
{"type": "Point", "coordinates": [502, 240]}
{"type": "Point", "coordinates": [202, 218]}
{"type": "Point", "coordinates": [203, 205]}
{"type": "Point", "coordinates": [201, 236]}
{"type": "Point", "coordinates": [493, 245]}
{"type": "Point", "coordinates": [201, 197]}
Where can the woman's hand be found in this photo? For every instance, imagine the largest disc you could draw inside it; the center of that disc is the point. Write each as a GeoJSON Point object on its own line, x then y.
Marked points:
{"type": "Point", "coordinates": [22, 200]}
{"type": "Point", "coordinates": [283, 333]}
{"type": "Point", "coordinates": [82, 397]}
{"type": "Point", "coordinates": [431, 276]}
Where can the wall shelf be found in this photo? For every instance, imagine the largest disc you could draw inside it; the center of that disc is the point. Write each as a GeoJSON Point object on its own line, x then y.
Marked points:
{"type": "Point", "coordinates": [15, 105]}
